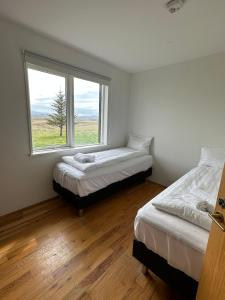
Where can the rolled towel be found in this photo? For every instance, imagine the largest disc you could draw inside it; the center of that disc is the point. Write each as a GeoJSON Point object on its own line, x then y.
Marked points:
{"type": "Point", "coordinates": [205, 206]}
{"type": "Point", "coordinates": [84, 158]}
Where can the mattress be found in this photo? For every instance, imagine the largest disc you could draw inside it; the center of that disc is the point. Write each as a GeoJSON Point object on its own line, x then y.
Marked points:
{"type": "Point", "coordinates": [180, 242]}
{"type": "Point", "coordinates": [83, 184]}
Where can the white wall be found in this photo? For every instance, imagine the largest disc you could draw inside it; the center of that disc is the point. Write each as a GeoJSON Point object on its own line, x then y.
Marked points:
{"type": "Point", "coordinates": [183, 107]}
{"type": "Point", "coordinates": [26, 180]}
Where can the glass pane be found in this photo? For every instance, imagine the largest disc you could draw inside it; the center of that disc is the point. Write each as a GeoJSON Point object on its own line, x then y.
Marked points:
{"type": "Point", "coordinates": [86, 112]}
{"type": "Point", "coordinates": [48, 109]}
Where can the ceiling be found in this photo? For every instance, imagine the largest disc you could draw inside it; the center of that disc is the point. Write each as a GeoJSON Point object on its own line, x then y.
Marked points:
{"type": "Point", "coordinates": [134, 35]}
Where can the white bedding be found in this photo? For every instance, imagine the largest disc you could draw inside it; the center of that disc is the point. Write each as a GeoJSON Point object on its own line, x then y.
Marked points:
{"type": "Point", "coordinates": [104, 158]}
{"type": "Point", "coordinates": [180, 242]}
{"type": "Point", "coordinates": [201, 184]}
{"type": "Point", "coordinates": [83, 184]}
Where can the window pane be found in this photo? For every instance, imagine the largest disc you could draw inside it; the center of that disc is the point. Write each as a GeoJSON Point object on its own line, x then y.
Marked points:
{"type": "Point", "coordinates": [86, 112]}
{"type": "Point", "coordinates": [48, 109]}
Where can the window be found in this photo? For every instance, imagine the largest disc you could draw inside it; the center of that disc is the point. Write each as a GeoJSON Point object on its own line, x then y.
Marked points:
{"type": "Point", "coordinates": [87, 108]}
{"type": "Point", "coordinates": [48, 109]}
{"type": "Point", "coordinates": [68, 107]}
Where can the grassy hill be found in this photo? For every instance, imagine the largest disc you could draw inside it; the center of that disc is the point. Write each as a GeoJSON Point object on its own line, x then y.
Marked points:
{"type": "Point", "coordinates": [44, 135]}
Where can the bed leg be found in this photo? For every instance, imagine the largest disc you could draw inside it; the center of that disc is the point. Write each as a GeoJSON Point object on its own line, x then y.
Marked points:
{"type": "Point", "coordinates": [80, 212]}
{"type": "Point", "coordinates": [144, 270]}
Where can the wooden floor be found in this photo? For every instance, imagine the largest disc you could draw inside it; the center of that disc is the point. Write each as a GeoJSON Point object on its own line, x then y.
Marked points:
{"type": "Point", "coordinates": [62, 256]}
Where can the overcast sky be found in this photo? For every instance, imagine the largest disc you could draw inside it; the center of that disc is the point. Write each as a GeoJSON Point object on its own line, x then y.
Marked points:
{"type": "Point", "coordinates": [43, 88]}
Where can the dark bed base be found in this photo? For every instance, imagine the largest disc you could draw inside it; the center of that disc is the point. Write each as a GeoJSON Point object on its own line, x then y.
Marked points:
{"type": "Point", "coordinates": [158, 265]}
{"type": "Point", "coordinates": [83, 202]}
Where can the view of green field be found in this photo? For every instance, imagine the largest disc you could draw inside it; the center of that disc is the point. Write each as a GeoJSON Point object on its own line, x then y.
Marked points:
{"type": "Point", "coordinates": [44, 135]}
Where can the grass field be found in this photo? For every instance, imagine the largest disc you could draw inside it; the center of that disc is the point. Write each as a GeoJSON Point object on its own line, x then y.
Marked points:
{"type": "Point", "coordinates": [44, 135]}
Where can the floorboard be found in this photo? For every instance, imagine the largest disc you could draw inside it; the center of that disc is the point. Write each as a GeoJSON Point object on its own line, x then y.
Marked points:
{"type": "Point", "coordinates": [62, 256]}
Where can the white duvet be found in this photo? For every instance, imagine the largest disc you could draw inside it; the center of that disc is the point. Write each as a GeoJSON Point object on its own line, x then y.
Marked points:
{"type": "Point", "coordinates": [181, 199]}
{"type": "Point", "coordinates": [104, 158]}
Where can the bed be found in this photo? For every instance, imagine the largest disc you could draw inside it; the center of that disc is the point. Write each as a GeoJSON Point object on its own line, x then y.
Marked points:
{"type": "Point", "coordinates": [171, 246]}
{"type": "Point", "coordinates": [90, 182]}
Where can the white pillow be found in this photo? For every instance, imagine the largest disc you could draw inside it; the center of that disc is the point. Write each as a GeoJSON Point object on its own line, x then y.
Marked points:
{"type": "Point", "coordinates": [138, 142]}
{"type": "Point", "coordinates": [212, 157]}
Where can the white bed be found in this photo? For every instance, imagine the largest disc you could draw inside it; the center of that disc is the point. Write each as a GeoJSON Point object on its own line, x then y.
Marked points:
{"type": "Point", "coordinates": [178, 241]}
{"type": "Point", "coordinates": [84, 183]}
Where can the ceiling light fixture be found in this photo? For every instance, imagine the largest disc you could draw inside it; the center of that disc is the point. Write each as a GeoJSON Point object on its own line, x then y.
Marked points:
{"type": "Point", "coordinates": [174, 5]}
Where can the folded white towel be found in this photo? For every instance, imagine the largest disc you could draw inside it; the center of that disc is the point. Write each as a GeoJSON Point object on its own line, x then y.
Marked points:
{"type": "Point", "coordinates": [205, 206]}
{"type": "Point", "coordinates": [84, 158]}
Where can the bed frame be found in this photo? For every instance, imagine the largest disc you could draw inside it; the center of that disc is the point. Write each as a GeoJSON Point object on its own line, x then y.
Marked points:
{"type": "Point", "coordinates": [184, 284]}
{"type": "Point", "coordinates": [82, 202]}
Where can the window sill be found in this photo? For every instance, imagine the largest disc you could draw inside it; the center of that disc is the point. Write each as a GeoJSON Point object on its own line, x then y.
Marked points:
{"type": "Point", "coordinates": [71, 150]}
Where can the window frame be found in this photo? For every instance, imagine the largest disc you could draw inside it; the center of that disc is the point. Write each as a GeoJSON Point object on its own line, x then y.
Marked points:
{"type": "Point", "coordinates": [47, 65]}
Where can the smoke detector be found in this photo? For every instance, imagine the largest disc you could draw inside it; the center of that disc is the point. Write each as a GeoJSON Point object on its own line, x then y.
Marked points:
{"type": "Point", "coordinates": [174, 5]}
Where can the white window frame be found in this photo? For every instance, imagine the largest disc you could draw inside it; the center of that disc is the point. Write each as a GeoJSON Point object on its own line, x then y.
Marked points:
{"type": "Point", "coordinates": [53, 67]}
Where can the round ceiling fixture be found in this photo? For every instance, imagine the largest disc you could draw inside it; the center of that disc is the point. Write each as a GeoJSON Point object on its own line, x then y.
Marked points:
{"type": "Point", "coordinates": [174, 5]}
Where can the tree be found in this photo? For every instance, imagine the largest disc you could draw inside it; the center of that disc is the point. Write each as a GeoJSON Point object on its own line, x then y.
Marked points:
{"type": "Point", "coordinates": [76, 120]}
{"type": "Point", "coordinates": [58, 117]}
